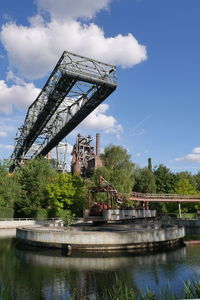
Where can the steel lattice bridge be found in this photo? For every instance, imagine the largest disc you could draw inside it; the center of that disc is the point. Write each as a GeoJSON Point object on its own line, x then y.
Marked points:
{"type": "Point", "coordinates": [74, 89]}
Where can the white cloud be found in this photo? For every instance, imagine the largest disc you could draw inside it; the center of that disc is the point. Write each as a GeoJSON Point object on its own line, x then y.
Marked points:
{"type": "Point", "coordinates": [196, 150]}
{"type": "Point", "coordinates": [3, 134]}
{"type": "Point", "coordinates": [20, 96]}
{"type": "Point", "coordinates": [98, 120]}
{"type": "Point", "coordinates": [191, 157]}
{"type": "Point", "coordinates": [9, 125]}
{"type": "Point", "coordinates": [8, 147]}
{"type": "Point", "coordinates": [67, 9]}
{"type": "Point", "coordinates": [34, 50]}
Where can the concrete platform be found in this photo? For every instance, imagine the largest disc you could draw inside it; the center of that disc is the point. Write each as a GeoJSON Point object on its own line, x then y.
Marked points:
{"type": "Point", "coordinates": [87, 237]}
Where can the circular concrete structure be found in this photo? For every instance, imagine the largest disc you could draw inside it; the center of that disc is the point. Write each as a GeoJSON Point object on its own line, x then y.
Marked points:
{"type": "Point", "coordinates": [103, 238]}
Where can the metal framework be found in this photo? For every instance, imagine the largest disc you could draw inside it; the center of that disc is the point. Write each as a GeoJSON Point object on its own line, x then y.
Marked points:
{"type": "Point", "coordinates": [74, 89]}
{"type": "Point", "coordinates": [142, 197]}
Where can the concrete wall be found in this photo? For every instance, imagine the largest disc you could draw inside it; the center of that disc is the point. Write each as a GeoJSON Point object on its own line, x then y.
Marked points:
{"type": "Point", "coordinates": [20, 223]}
{"type": "Point", "coordinates": [100, 239]}
{"type": "Point", "coordinates": [127, 214]}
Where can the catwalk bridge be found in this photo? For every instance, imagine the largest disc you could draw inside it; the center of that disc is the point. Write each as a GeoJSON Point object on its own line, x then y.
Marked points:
{"type": "Point", "coordinates": [74, 89]}
{"type": "Point", "coordinates": [164, 197]}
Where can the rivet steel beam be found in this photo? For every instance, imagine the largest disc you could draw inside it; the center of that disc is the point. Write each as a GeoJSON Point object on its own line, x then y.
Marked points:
{"type": "Point", "coordinates": [74, 89]}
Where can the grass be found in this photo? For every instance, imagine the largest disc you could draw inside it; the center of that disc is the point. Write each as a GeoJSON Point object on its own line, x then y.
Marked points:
{"type": "Point", "coordinates": [120, 291]}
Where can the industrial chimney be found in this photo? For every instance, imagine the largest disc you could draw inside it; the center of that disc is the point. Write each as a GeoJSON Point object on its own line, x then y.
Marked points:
{"type": "Point", "coordinates": [98, 144]}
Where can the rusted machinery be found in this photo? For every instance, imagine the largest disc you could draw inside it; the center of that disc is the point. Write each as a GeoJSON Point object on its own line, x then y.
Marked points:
{"type": "Point", "coordinates": [112, 207]}
{"type": "Point", "coordinates": [84, 159]}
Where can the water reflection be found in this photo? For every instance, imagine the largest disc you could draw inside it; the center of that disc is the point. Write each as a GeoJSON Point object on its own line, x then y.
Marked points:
{"type": "Point", "coordinates": [33, 273]}
{"type": "Point", "coordinates": [96, 261]}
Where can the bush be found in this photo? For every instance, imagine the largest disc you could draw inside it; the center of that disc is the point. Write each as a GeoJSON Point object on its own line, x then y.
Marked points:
{"type": "Point", "coordinates": [63, 214]}
{"type": "Point", "coordinates": [39, 213]}
{"type": "Point", "coordinates": [6, 212]}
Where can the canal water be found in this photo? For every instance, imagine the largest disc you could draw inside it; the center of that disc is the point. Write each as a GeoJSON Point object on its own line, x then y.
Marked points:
{"type": "Point", "coordinates": [35, 273]}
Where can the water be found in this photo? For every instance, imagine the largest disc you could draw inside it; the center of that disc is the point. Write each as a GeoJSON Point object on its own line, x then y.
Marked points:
{"type": "Point", "coordinates": [34, 273]}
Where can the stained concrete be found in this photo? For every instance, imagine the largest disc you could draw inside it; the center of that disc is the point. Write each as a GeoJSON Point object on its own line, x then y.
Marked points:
{"type": "Point", "coordinates": [7, 224]}
{"type": "Point", "coordinates": [108, 237]}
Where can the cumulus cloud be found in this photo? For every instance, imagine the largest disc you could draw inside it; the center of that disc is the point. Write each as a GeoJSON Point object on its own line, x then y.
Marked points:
{"type": "Point", "coordinates": [8, 147]}
{"type": "Point", "coordinates": [98, 120]}
{"type": "Point", "coordinates": [34, 50]}
{"type": "Point", "coordinates": [19, 96]}
{"type": "Point", "coordinates": [67, 9]}
{"type": "Point", "coordinates": [191, 157]}
{"type": "Point", "coordinates": [3, 134]}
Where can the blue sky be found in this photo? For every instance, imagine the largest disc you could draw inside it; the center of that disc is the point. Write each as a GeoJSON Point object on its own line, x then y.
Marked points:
{"type": "Point", "coordinates": [156, 46]}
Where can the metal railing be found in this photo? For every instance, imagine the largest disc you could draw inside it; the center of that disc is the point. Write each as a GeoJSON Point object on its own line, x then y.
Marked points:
{"type": "Point", "coordinates": [28, 219]}
{"type": "Point", "coordinates": [163, 196]}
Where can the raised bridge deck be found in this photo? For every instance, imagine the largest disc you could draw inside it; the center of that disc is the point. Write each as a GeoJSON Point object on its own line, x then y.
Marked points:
{"type": "Point", "coordinates": [147, 197]}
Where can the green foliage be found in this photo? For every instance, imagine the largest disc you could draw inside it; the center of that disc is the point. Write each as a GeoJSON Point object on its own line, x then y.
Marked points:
{"type": "Point", "coordinates": [81, 187]}
{"type": "Point", "coordinates": [118, 168]}
{"type": "Point", "coordinates": [188, 176]}
{"type": "Point", "coordinates": [150, 164]}
{"type": "Point", "coordinates": [6, 212]}
{"type": "Point", "coordinates": [66, 192]}
{"type": "Point", "coordinates": [40, 213]}
{"type": "Point", "coordinates": [10, 189]}
{"type": "Point", "coordinates": [197, 181]}
{"type": "Point", "coordinates": [60, 193]}
{"type": "Point", "coordinates": [66, 216]}
{"type": "Point", "coordinates": [184, 187]}
{"type": "Point", "coordinates": [34, 177]}
{"type": "Point", "coordinates": [144, 181]}
{"type": "Point", "coordinates": [165, 180]}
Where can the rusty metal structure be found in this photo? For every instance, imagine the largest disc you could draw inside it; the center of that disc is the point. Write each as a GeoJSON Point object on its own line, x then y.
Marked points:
{"type": "Point", "coordinates": [112, 195]}
{"type": "Point", "coordinates": [74, 89]}
{"type": "Point", "coordinates": [113, 207]}
{"type": "Point", "coordinates": [144, 199]}
{"type": "Point", "coordinates": [84, 159]}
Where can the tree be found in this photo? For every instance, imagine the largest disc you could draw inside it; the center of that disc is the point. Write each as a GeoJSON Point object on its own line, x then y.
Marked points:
{"type": "Point", "coordinates": [10, 189]}
{"type": "Point", "coordinates": [33, 178]}
{"type": "Point", "coordinates": [184, 187]}
{"type": "Point", "coordinates": [150, 164]}
{"type": "Point", "coordinates": [66, 192]}
{"type": "Point", "coordinates": [144, 181]}
{"type": "Point", "coordinates": [165, 180]}
{"type": "Point", "coordinates": [60, 192]}
{"type": "Point", "coordinates": [81, 187]}
{"type": "Point", "coordinates": [197, 180]}
{"type": "Point", "coordinates": [118, 167]}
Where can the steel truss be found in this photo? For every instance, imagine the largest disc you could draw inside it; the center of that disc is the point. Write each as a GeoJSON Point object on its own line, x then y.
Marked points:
{"type": "Point", "coordinates": [74, 89]}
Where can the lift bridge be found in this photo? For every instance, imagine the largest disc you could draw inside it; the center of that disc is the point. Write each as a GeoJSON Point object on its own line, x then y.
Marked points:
{"type": "Point", "coordinates": [74, 89]}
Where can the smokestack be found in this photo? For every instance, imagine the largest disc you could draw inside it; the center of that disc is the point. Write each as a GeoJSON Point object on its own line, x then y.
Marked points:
{"type": "Point", "coordinates": [98, 144]}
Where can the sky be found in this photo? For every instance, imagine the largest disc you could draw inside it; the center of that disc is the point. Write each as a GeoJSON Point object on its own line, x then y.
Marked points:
{"type": "Point", "coordinates": [155, 45]}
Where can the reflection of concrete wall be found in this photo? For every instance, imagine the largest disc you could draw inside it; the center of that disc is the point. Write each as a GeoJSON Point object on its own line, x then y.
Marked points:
{"type": "Point", "coordinates": [98, 262]}
{"type": "Point", "coordinates": [104, 238]}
